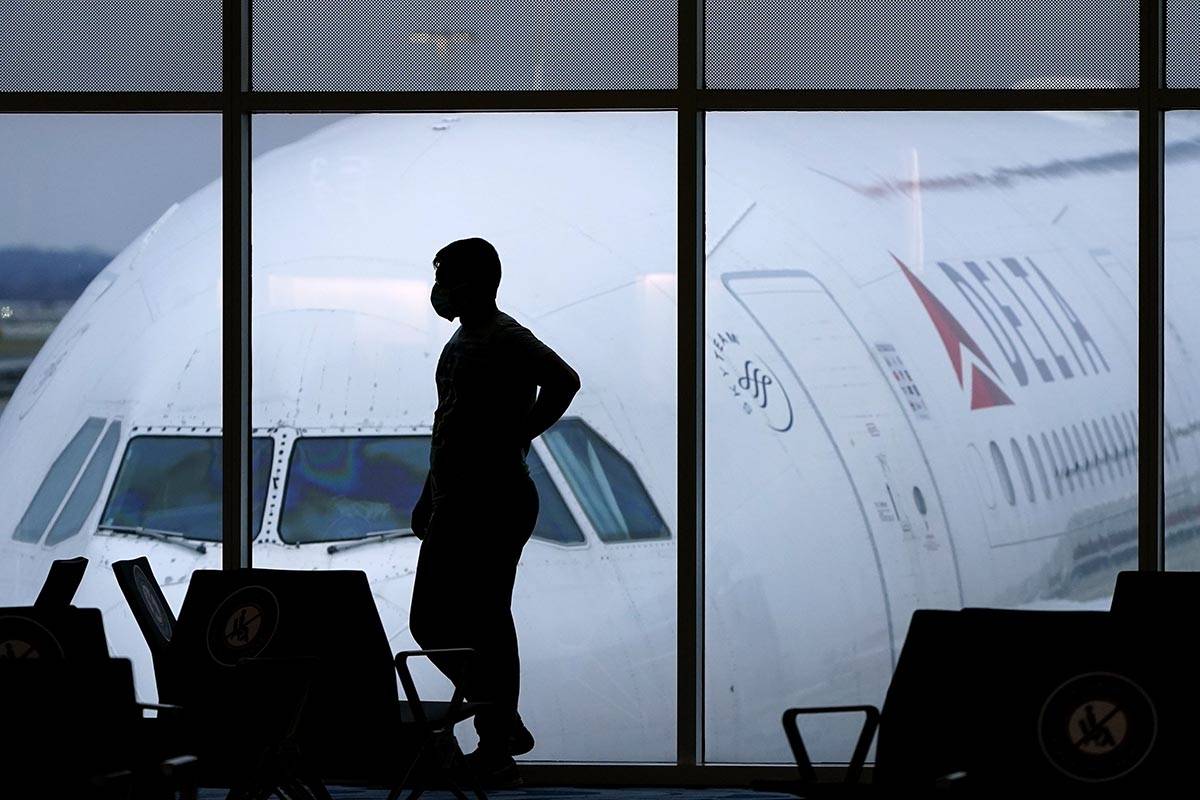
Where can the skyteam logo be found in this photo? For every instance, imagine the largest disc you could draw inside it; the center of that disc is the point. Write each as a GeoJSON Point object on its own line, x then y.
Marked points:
{"type": "Point", "coordinates": [1031, 323]}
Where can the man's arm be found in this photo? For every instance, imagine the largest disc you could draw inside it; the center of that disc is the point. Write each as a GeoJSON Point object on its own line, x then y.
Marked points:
{"type": "Point", "coordinates": [422, 510]}
{"type": "Point", "coordinates": [558, 384]}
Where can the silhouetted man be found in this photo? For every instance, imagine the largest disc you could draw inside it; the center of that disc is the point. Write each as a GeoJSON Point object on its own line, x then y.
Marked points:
{"type": "Point", "coordinates": [479, 505]}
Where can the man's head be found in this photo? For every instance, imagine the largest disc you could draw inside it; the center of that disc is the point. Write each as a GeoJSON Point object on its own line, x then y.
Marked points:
{"type": "Point", "coordinates": [466, 275]}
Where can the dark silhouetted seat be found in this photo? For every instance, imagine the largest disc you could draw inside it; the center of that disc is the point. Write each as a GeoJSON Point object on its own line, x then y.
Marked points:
{"type": "Point", "coordinates": [991, 702]}
{"type": "Point", "coordinates": [1155, 597]}
{"type": "Point", "coordinates": [62, 582]}
{"type": "Point", "coordinates": [55, 632]}
{"type": "Point", "coordinates": [353, 727]}
{"type": "Point", "coordinates": [153, 616]}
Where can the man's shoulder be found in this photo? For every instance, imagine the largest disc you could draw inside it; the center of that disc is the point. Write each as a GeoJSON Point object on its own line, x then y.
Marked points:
{"type": "Point", "coordinates": [508, 328]}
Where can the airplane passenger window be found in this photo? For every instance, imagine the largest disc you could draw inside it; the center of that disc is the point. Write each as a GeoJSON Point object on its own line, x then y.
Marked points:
{"type": "Point", "coordinates": [1132, 427]}
{"type": "Point", "coordinates": [1070, 465]}
{"type": "Point", "coordinates": [1126, 451]}
{"type": "Point", "coordinates": [57, 481]}
{"type": "Point", "coordinates": [1054, 464]}
{"type": "Point", "coordinates": [554, 521]}
{"type": "Point", "coordinates": [1111, 450]}
{"type": "Point", "coordinates": [1023, 468]}
{"type": "Point", "coordinates": [1041, 468]}
{"type": "Point", "coordinates": [1090, 464]}
{"type": "Point", "coordinates": [1101, 449]}
{"type": "Point", "coordinates": [341, 488]}
{"type": "Point", "coordinates": [172, 484]}
{"type": "Point", "coordinates": [1093, 456]}
{"type": "Point", "coordinates": [79, 505]}
{"type": "Point", "coordinates": [1078, 464]}
{"type": "Point", "coordinates": [608, 488]}
{"type": "Point", "coordinates": [1006, 483]}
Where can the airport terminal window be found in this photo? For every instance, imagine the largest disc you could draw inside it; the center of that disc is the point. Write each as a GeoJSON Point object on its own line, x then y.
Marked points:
{"type": "Point", "coordinates": [554, 521]}
{"type": "Point", "coordinates": [341, 488]}
{"type": "Point", "coordinates": [172, 484]}
{"type": "Point", "coordinates": [83, 499]}
{"type": "Point", "coordinates": [608, 488]}
{"type": "Point", "coordinates": [58, 480]}
{"type": "Point", "coordinates": [1006, 483]}
{"type": "Point", "coordinates": [1023, 468]}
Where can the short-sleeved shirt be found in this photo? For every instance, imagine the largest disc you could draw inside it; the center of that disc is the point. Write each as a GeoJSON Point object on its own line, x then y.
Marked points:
{"type": "Point", "coordinates": [487, 379]}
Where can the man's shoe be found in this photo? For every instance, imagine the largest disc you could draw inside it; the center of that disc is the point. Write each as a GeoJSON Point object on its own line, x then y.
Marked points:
{"type": "Point", "coordinates": [520, 741]}
{"type": "Point", "coordinates": [494, 770]}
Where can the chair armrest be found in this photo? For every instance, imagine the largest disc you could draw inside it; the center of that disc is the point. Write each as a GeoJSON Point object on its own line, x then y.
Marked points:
{"type": "Point", "coordinates": [161, 708]}
{"type": "Point", "coordinates": [791, 729]}
{"type": "Point", "coordinates": [410, 686]}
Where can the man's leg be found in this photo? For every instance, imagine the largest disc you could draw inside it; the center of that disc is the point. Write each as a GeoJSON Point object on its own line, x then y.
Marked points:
{"type": "Point", "coordinates": [499, 678]}
{"type": "Point", "coordinates": [439, 617]}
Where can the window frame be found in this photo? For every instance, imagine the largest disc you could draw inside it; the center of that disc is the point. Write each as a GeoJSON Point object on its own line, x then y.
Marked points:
{"type": "Point", "coordinates": [237, 102]}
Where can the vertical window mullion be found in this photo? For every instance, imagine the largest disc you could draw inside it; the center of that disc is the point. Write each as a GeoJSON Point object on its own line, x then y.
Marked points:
{"type": "Point", "coordinates": [1151, 522]}
{"type": "Point", "coordinates": [236, 506]}
{"type": "Point", "coordinates": [690, 395]}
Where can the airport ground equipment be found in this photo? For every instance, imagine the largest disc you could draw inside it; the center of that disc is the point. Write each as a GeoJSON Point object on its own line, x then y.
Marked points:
{"type": "Point", "coordinates": [62, 582]}
{"type": "Point", "coordinates": [354, 728]}
{"type": "Point", "coordinates": [991, 703]}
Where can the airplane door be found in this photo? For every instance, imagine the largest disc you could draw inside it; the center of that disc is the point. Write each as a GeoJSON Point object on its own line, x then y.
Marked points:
{"type": "Point", "coordinates": [844, 379]}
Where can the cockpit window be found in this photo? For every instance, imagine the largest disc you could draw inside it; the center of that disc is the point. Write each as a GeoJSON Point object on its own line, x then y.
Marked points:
{"type": "Point", "coordinates": [554, 521]}
{"type": "Point", "coordinates": [608, 488]}
{"type": "Point", "coordinates": [172, 484]}
{"type": "Point", "coordinates": [341, 488]}
{"type": "Point", "coordinates": [57, 481]}
{"type": "Point", "coordinates": [79, 504]}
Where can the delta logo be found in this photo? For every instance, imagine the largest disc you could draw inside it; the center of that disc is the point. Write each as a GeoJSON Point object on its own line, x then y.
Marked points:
{"type": "Point", "coordinates": [1034, 328]}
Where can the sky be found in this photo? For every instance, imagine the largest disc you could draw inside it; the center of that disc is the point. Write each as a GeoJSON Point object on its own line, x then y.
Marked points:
{"type": "Point", "coordinates": [98, 180]}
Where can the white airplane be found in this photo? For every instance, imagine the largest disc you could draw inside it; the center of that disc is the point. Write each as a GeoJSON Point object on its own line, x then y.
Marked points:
{"type": "Point", "coordinates": [921, 384]}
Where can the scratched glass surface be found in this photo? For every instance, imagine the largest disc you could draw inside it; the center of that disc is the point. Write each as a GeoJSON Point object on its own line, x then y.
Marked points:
{"type": "Point", "coordinates": [1181, 377]}
{"type": "Point", "coordinates": [346, 224]}
{"type": "Point", "coordinates": [921, 392]}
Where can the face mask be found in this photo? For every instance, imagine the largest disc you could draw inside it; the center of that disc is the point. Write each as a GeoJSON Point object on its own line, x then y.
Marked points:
{"type": "Point", "coordinates": [439, 298]}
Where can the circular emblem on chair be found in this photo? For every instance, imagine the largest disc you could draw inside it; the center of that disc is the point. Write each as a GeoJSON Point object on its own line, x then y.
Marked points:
{"type": "Point", "coordinates": [243, 625]}
{"type": "Point", "coordinates": [150, 597]}
{"type": "Point", "coordinates": [22, 637]}
{"type": "Point", "coordinates": [1097, 727]}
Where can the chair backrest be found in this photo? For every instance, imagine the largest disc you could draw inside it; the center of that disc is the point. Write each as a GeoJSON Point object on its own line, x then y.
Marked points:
{"type": "Point", "coordinates": [62, 582]}
{"type": "Point", "coordinates": [1149, 594]}
{"type": "Point", "coordinates": [57, 633]}
{"type": "Point", "coordinates": [71, 721]}
{"type": "Point", "coordinates": [154, 618]}
{"type": "Point", "coordinates": [1060, 700]}
{"type": "Point", "coordinates": [326, 615]}
{"type": "Point", "coordinates": [920, 703]}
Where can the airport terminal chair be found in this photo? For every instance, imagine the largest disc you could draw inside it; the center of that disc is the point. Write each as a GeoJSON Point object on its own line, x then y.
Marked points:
{"type": "Point", "coordinates": [261, 697]}
{"type": "Point", "coordinates": [354, 727]}
{"type": "Point", "coordinates": [62, 582]}
{"type": "Point", "coordinates": [994, 703]}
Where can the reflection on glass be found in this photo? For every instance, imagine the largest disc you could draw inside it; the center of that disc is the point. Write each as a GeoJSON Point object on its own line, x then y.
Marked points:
{"type": "Point", "coordinates": [345, 347]}
{"type": "Point", "coordinates": [172, 485]}
{"type": "Point", "coordinates": [1181, 339]}
{"type": "Point", "coordinates": [915, 325]}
